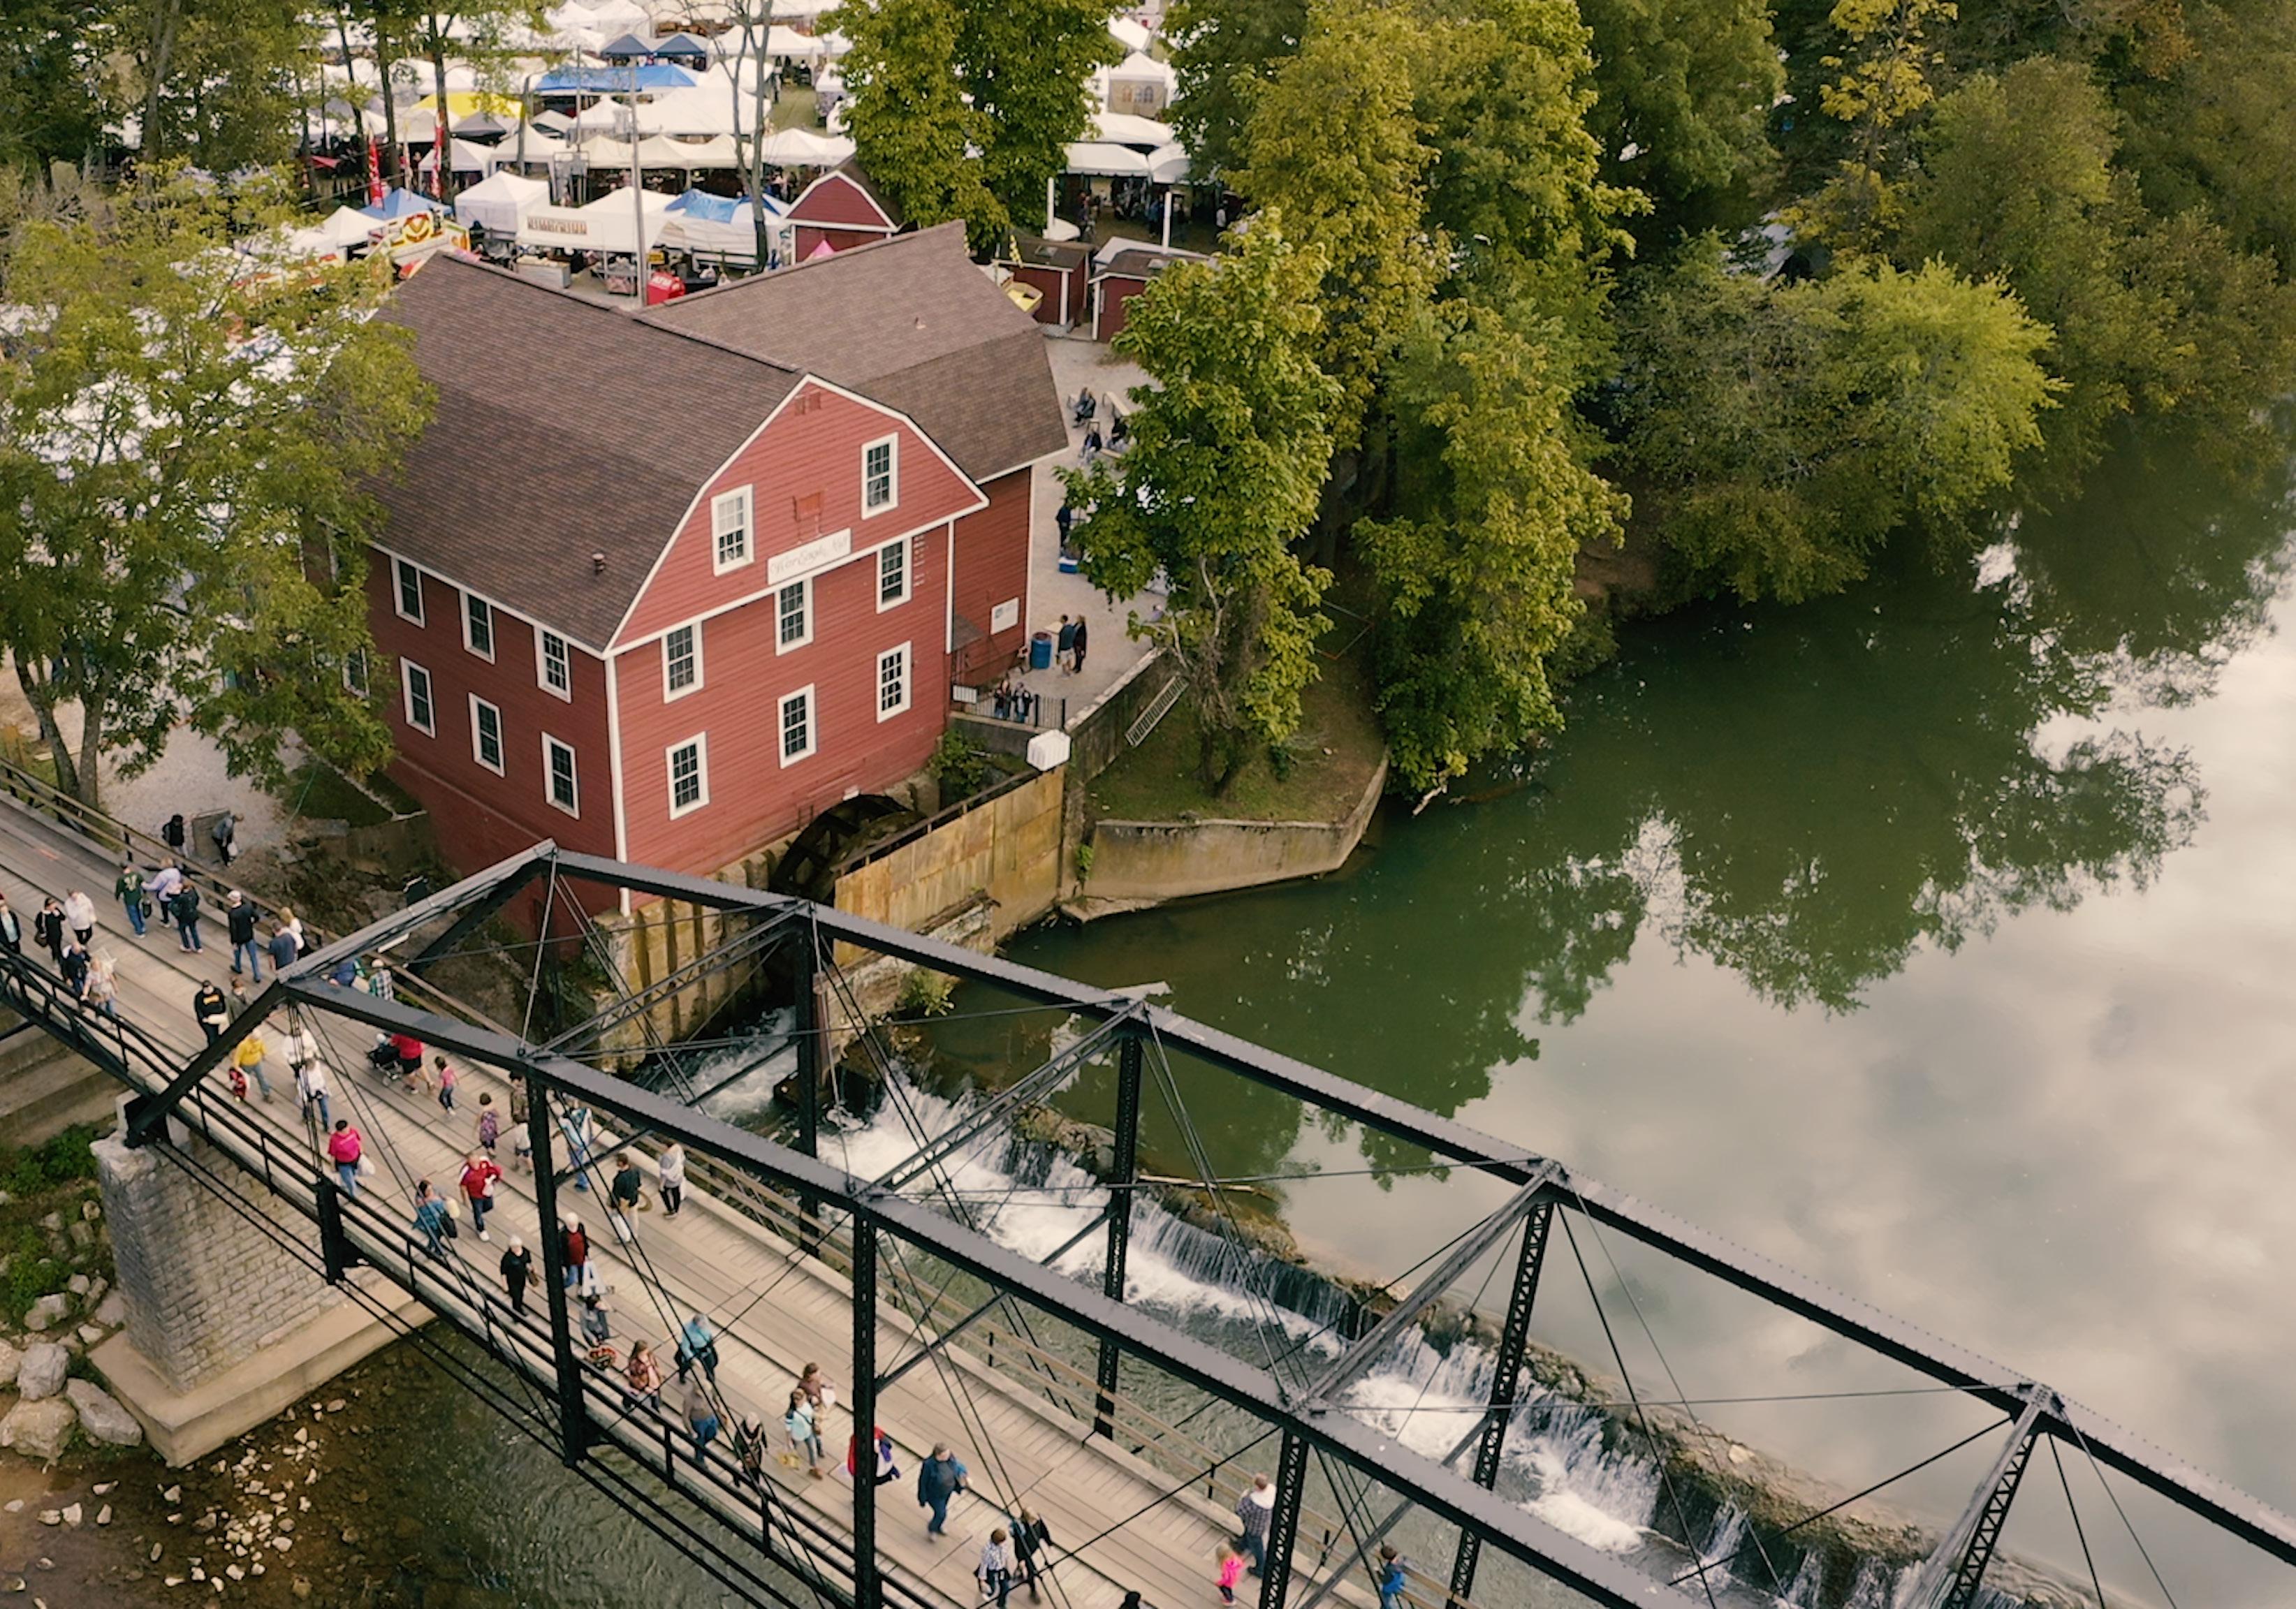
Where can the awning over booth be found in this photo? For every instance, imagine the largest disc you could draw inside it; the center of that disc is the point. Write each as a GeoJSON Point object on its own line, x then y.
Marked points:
{"type": "Point", "coordinates": [608, 224]}
{"type": "Point", "coordinates": [398, 203]}
{"type": "Point", "coordinates": [613, 80]}
{"type": "Point", "coordinates": [1113, 161]}
{"type": "Point", "coordinates": [802, 148]}
{"type": "Point", "coordinates": [498, 204]}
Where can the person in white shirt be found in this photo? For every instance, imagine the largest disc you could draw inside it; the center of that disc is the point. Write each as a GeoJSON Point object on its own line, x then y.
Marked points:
{"type": "Point", "coordinates": [310, 1075]}
{"type": "Point", "coordinates": [995, 1570]}
{"type": "Point", "coordinates": [79, 915]}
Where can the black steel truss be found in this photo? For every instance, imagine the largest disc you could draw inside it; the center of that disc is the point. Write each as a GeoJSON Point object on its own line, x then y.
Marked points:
{"type": "Point", "coordinates": [1307, 1424]}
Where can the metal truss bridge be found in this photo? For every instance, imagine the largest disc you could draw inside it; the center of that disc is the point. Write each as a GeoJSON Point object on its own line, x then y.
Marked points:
{"type": "Point", "coordinates": [941, 1333]}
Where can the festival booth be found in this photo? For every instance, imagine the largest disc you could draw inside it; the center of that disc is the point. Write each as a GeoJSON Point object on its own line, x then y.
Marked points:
{"type": "Point", "coordinates": [723, 229]}
{"type": "Point", "coordinates": [1139, 85]}
{"type": "Point", "coordinates": [607, 227]}
{"type": "Point", "coordinates": [398, 203]}
{"type": "Point", "coordinates": [803, 147]}
{"type": "Point", "coordinates": [499, 204]}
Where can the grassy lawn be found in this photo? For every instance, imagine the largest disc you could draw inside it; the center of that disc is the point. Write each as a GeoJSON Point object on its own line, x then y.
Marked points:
{"type": "Point", "coordinates": [798, 107]}
{"type": "Point", "coordinates": [1337, 749]}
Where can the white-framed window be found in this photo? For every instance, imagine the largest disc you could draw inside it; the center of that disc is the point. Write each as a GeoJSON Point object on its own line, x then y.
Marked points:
{"type": "Point", "coordinates": [793, 616]}
{"type": "Point", "coordinates": [406, 589]}
{"type": "Point", "coordinates": [681, 660]}
{"type": "Point", "coordinates": [486, 734]}
{"type": "Point", "coordinates": [892, 682]}
{"type": "Point", "coordinates": [559, 783]}
{"type": "Point", "coordinates": [414, 685]}
{"type": "Point", "coordinates": [799, 736]}
{"type": "Point", "coordinates": [478, 625]}
{"type": "Point", "coordinates": [554, 667]}
{"type": "Point", "coordinates": [893, 574]}
{"type": "Point", "coordinates": [355, 672]}
{"type": "Point", "coordinates": [881, 475]}
{"type": "Point", "coordinates": [689, 775]}
{"type": "Point", "coordinates": [730, 530]}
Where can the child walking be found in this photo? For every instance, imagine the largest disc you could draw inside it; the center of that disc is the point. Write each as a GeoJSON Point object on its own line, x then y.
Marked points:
{"type": "Point", "coordinates": [1231, 1571]}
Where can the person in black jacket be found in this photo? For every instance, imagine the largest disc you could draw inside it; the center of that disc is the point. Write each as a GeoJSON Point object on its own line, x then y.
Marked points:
{"type": "Point", "coordinates": [212, 1010]}
{"type": "Point", "coordinates": [239, 917]}
{"type": "Point", "coordinates": [73, 964]}
{"type": "Point", "coordinates": [48, 928]}
{"type": "Point", "coordinates": [173, 835]}
{"type": "Point", "coordinates": [187, 916]}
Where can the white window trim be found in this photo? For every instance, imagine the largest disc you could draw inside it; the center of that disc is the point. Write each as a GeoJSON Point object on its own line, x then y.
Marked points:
{"type": "Point", "coordinates": [892, 444]}
{"type": "Point", "coordinates": [502, 735]}
{"type": "Point", "coordinates": [400, 569]}
{"type": "Point", "coordinates": [357, 686]}
{"type": "Point", "coordinates": [488, 652]}
{"type": "Point", "coordinates": [672, 695]}
{"type": "Point", "coordinates": [805, 582]}
{"type": "Point", "coordinates": [700, 743]}
{"type": "Point", "coordinates": [543, 633]}
{"type": "Point", "coordinates": [812, 724]}
{"type": "Point", "coordinates": [909, 573]}
{"type": "Point", "coordinates": [908, 681]}
{"type": "Point", "coordinates": [407, 671]}
{"type": "Point", "coordinates": [573, 771]}
{"type": "Point", "coordinates": [719, 565]}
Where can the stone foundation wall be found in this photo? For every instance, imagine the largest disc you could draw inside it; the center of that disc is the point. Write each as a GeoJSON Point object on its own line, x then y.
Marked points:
{"type": "Point", "coordinates": [1146, 861]}
{"type": "Point", "coordinates": [204, 1285]}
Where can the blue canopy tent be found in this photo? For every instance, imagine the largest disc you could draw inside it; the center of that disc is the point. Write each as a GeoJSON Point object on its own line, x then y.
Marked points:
{"type": "Point", "coordinates": [682, 47]}
{"type": "Point", "coordinates": [397, 203]}
{"type": "Point", "coordinates": [629, 47]}
{"type": "Point", "coordinates": [722, 229]}
{"type": "Point", "coordinates": [613, 80]}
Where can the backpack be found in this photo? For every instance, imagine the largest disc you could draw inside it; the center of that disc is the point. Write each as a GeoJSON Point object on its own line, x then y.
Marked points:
{"type": "Point", "coordinates": [188, 902]}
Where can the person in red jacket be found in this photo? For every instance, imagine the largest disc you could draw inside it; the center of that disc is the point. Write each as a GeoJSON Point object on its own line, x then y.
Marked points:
{"type": "Point", "coordinates": [343, 1146]}
{"type": "Point", "coordinates": [478, 1176]}
{"type": "Point", "coordinates": [577, 1253]}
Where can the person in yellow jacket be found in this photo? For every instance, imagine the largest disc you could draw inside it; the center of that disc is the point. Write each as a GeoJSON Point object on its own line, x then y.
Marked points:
{"type": "Point", "coordinates": [248, 1058]}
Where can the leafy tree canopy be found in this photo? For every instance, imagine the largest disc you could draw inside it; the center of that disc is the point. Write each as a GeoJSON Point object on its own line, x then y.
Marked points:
{"type": "Point", "coordinates": [185, 445]}
{"type": "Point", "coordinates": [910, 123]}
{"type": "Point", "coordinates": [1688, 83]}
{"type": "Point", "coordinates": [1224, 52]}
{"type": "Point", "coordinates": [1784, 433]}
{"type": "Point", "coordinates": [1225, 468]}
{"type": "Point", "coordinates": [1025, 64]}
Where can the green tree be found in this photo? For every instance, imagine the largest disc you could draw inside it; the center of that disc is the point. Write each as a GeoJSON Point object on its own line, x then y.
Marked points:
{"type": "Point", "coordinates": [1475, 577]}
{"type": "Point", "coordinates": [185, 446]}
{"type": "Point", "coordinates": [51, 57]}
{"type": "Point", "coordinates": [1782, 435]}
{"type": "Point", "coordinates": [1025, 64]}
{"type": "Point", "coordinates": [1689, 84]}
{"type": "Point", "coordinates": [910, 123]}
{"type": "Point", "coordinates": [1504, 88]}
{"type": "Point", "coordinates": [2018, 179]}
{"type": "Point", "coordinates": [1222, 479]}
{"type": "Point", "coordinates": [1334, 143]}
{"type": "Point", "coordinates": [1883, 85]}
{"type": "Point", "coordinates": [479, 32]}
{"type": "Point", "coordinates": [218, 82]}
{"type": "Point", "coordinates": [2220, 131]}
{"type": "Point", "coordinates": [1225, 52]}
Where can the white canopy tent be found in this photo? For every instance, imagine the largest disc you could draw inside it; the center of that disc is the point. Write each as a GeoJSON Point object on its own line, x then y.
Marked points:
{"type": "Point", "coordinates": [341, 232]}
{"type": "Point", "coordinates": [802, 148]}
{"type": "Point", "coordinates": [716, 227]}
{"type": "Point", "coordinates": [1122, 128]}
{"type": "Point", "coordinates": [1169, 163]}
{"type": "Point", "coordinates": [499, 204]}
{"type": "Point", "coordinates": [1131, 35]}
{"type": "Point", "coordinates": [1101, 160]}
{"type": "Point", "coordinates": [608, 224]}
{"type": "Point", "coordinates": [658, 152]}
{"type": "Point", "coordinates": [706, 109]}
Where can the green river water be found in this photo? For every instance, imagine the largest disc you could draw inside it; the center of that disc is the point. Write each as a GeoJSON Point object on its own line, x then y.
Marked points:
{"type": "Point", "coordinates": [1935, 940]}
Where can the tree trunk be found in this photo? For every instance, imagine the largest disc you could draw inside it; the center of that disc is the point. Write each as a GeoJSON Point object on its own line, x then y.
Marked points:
{"type": "Point", "coordinates": [442, 137]}
{"type": "Point", "coordinates": [41, 695]}
{"type": "Point", "coordinates": [90, 764]}
{"type": "Point", "coordinates": [367, 164]}
{"type": "Point", "coordinates": [383, 63]}
{"type": "Point", "coordinates": [166, 18]}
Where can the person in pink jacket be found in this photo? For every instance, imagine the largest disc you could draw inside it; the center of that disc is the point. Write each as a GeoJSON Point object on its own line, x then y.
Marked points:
{"type": "Point", "coordinates": [1231, 1571]}
{"type": "Point", "coordinates": [343, 1145]}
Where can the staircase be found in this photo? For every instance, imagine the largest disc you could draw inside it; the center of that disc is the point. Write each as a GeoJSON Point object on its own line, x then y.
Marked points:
{"type": "Point", "coordinates": [45, 1088]}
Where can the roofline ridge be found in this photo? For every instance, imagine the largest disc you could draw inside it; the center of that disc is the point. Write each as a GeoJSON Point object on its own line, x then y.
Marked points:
{"type": "Point", "coordinates": [899, 237]}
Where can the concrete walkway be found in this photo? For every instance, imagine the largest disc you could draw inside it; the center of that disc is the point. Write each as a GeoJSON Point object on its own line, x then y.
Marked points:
{"type": "Point", "coordinates": [776, 1309]}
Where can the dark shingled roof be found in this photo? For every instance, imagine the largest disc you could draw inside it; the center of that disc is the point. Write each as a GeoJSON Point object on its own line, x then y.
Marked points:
{"type": "Point", "coordinates": [1142, 262]}
{"type": "Point", "coordinates": [562, 428]}
{"type": "Point", "coordinates": [911, 322]}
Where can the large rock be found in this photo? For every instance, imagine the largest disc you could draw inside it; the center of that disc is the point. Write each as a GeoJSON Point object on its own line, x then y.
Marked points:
{"type": "Point", "coordinates": [39, 1430]}
{"type": "Point", "coordinates": [49, 1310]}
{"type": "Point", "coordinates": [41, 1373]}
{"type": "Point", "coordinates": [10, 1360]}
{"type": "Point", "coordinates": [101, 1415]}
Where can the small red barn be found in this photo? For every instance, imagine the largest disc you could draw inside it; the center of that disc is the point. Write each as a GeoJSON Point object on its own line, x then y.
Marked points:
{"type": "Point", "coordinates": [841, 209]}
{"type": "Point", "coordinates": [1124, 270]}
{"type": "Point", "coordinates": [1059, 271]}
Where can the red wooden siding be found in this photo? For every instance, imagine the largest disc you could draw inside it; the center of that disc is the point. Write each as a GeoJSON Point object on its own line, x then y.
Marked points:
{"type": "Point", "coordinates": [477, 816]}
{"type": "Point", "coordinates": [1112, 296]}
{"type": "Point", "coordinates": [1055, 284]}
{"type": "Point", "coordinates": [812, 448]}
{"type": "Point", "coordinates": [835, 199]}
{"type": "Point", "coordinates": [753, 797]}
{"type": "Point", "coordinates": [810, 235]}
{"type": "Point", "coordinates": [992, 567]}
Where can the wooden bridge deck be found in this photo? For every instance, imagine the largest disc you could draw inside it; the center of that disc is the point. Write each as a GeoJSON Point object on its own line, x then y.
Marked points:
{"type": "Point", "coordinates": [716, 1262]}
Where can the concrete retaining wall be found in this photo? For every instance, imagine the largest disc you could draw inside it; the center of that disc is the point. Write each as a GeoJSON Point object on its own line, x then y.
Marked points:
{"type": "Point", "coordinates": [1007, 850]}
{"type": "Point", "coordinates": [1149, 861]}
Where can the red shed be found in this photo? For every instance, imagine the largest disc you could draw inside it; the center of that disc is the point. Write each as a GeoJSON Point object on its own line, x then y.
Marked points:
{"type": "Point", "coordinates": [659, 598]}
{"type": "Point", "coordinates": [1124, 270]}
{"type": "Point", "coordinates": [842, 209]}
{"type": "Point", "coordinates": [1060, 271]}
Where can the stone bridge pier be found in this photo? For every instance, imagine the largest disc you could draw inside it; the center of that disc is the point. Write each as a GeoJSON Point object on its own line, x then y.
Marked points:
{"type": "Point", "coordinates": [227, 1327]}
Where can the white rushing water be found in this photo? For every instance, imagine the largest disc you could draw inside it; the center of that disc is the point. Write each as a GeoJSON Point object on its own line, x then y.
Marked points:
{"type": "Point", "coordinates": [1563, 1464]}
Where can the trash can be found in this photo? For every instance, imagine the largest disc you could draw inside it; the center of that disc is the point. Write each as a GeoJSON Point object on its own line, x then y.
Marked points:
{"type": "Point", "coordinates": [1040, 651]}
